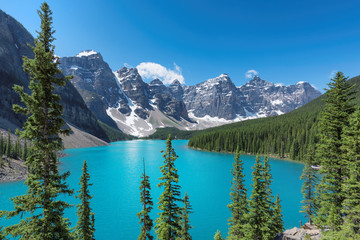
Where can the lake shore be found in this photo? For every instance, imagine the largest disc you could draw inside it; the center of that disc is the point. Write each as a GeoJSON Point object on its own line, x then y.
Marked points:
{"type": "Point", "coordinates": [249, 154]}
{"type": "Point", "coordinates": [13, 171]}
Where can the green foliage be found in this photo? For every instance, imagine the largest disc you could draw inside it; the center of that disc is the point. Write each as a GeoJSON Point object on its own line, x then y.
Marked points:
{"type": "Point", "coordinates": [41, 203]}
{"type": "Point", "coordinates": [163, 133]}
{"type": "Point", "coordinates": [114, 134]}
{"type": "Point", "coordinates": [287, 135]}
{"type": "Point", "coordinates": [310, 180]}
{"type": "Point", "coordinates": [8, 146]}
{"type": "Point", "coordinates": [264, 218]}
{"type": "Point", "coordinates": [2, 236]}
{"type": "Point", "coordinates": [218, 236]}
{"type": "Point", "coordinates": [85, 228]}
{"type": "Point", "coordinates": [185, 220]}
{"type": "Point", "coordinates": [147, 203]}
{"type": "Point", "coordinates": [278, 224]}
{"type": "Point", "coordinates": [351, 184]}
{"type": "Point", "coordinates": [239, 204]}
{"type": "Point", "coordinates": [329, 153]}
{"type": "Point", "coordinates": [168, 222]}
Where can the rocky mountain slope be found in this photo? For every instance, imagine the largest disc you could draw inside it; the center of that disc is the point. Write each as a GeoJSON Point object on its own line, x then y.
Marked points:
{"type": "Point", "coordinates": [138, 108]}
{"type": "Point", "coordinates": [14, 40]}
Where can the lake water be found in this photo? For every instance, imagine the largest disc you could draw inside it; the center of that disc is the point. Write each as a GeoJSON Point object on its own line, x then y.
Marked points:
{"type": "Point", "coordinates": [116, 169]}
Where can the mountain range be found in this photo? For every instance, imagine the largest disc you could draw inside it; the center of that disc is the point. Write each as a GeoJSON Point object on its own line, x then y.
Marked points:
{"type": "Point", "coordinates": [97, 96]}
{"type": "Point", "coordinates": [121, 98]}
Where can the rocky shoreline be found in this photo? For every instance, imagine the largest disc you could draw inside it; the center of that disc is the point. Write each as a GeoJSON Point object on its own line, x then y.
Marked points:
{"type": "Point", "coordinates": [15, 171]}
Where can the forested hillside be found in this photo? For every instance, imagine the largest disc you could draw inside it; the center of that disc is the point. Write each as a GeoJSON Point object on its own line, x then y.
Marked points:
{"type": "Point", "coordinates": [287, 135]}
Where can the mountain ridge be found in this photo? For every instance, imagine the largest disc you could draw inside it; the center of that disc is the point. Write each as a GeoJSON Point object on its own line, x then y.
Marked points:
{"type": "Point", "coordinates": [139, 107]}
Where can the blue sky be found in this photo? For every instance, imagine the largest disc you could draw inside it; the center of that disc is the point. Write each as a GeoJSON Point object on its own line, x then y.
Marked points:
{"type": "Point", "coordinates": [284, 41]}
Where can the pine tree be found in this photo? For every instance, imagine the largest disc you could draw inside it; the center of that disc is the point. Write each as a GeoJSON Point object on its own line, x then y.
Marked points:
{"type": "Point", "coordinates": [351, 185]}
{"type": "Point", "coordinates": [185, 220]}
{"type": "Point", "coordinates": [310, 181]}
{"type": "Point", "coordinates": [147, 203]}
{"type": "Point", "coordinates": [278, 224]}
{"type": "Point", "coordinates": [331, 124]}
{"type": "Point", "coordinates": [8, 146]}
{"type": "Point", "coordinates": [41, 204]}
{"type": "Point", "coordinates": [218, 236]}
{"type": "Point", "coordinates": [168, 222]}
{"type": "Point", "coordinates": [260, 223]}
{"type": "Point", "coordinates": [239, 204]}
{"type": "Point", "coordinates": [85, 225]}
{"type": "Point", "coordinates": [268, 229]}
{"type": "Point", "coordinates": [25, 151]}
{"type": "Point", "coordinates": [2, 237]}
{"type": "Point", "coordinates": [258, 211]}
{"type": "Point", "coordinates": [1, 145]}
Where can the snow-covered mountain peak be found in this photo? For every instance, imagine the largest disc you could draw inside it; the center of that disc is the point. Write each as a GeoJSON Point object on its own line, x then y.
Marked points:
{"type": "Point", "coordinates": [176, 83]}
{"type": "Point", "coordinates": [259, 82]}
{"type": "Point", "coordinates": [223, 78]}
{"type": "Point", "coordinates": [156, 82]}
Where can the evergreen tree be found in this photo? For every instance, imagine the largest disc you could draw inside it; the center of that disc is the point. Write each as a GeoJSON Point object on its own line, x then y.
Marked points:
{"type": "Point", "coordinates": [351, 185]}
{"type": "Point", "coordinates": [1, 145]}
{"type": "Point", "coordinates": [310, 181]}
{"type": "Point", "coordinates": [147, 203]}
{"type": "Point", "coordinates": [218, 236]}
{"type": "Point", "coordinates": [278, 224]}
{"type": "Point", "coordinates": [25, 151]}
{"type": "Point", "coordinates": [168, 222]}
{"type": "Point", "coordinates": [2, 237]}
{"type": "Point", "coordinates": [261, 219]}
{"type": "Point", "coordinates": [41, 205]}
{"type": "Point", "coordinates": [239, 204]}
{"type": "Point", "coordinates": [85, 225]}
{"type": "Point", "coordinates": [329, 154]}
{"type": "Point", "coordinates": [258, 207]}
{"type": "Point", "coordinates": [8, 146]}
{"type": "Point", "coordinates": [269, 229]}
{"type": "Point", "coordinates": [185, 220]}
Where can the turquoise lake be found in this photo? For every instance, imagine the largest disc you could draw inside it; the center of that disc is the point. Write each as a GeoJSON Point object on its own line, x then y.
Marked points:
{"type": "Point", "coordinates": [115, 172]}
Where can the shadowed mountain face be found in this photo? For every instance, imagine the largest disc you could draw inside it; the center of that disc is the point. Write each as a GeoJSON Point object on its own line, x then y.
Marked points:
{"type": "Point", "coordinates": [14, 41]}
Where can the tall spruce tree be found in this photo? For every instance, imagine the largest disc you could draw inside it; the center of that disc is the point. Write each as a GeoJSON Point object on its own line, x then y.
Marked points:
{"type": "Point", "coordinates": [25, 151]}
{"type": "Point", "coordinates": [351, 185]}
{"type": "Point", "coordinates": [277, 224]}
{"type": "Point", "coordinates": [218, 236]}
{"type": "Point", "coordinates": [310, 180]}
{"type": "Point", "coordinates": [85, 228]}
{"type": "Point", "coordinates": [2, 237]}
{"type": "Point", "coordinates": [185, 225]}
{"type": "Point", "coordinates": [261, 223]}
{"type": "Point", "coordinates": [239, 204]}
{"type": "Point", "coordinates": [269, 229]}
{"type": "Point", "coordinates": [8, 146]}
{"type": "Point", "coordinates": [147, 204]}
{"type": "Point", "coordinates": [168, 222]}
{"type": "Point", "coordinates": [41, 205]}
{"type": "Point", "coordinates": [329, 153]}
{"type": "Point", "coordinates": [258, 212]}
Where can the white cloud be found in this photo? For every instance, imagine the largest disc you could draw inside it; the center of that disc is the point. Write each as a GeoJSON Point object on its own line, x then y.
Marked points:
{"type": "Point", "coordinates": [128, 65]}
{"type": "Point", "coordinates": [251, 73]}
{"type": "Point", "coordinates": [150, 70]}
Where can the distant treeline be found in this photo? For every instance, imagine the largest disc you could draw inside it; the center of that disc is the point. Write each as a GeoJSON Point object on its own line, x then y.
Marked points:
{"type": "Point", "coordinates": [11, 149]}
{"type": "Point", "coordinates": [288, 135]}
